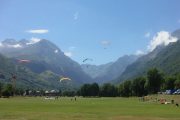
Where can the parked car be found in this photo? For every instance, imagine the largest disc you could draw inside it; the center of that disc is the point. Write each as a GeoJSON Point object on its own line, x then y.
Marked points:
{"type": "Point", "coordinates": [177, 92]}
{"type": "Point", "coordinates": [169, 92]}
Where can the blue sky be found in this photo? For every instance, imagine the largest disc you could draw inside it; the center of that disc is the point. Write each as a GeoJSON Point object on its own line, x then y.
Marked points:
{"type": "Point", "coordinates": [78, 27]}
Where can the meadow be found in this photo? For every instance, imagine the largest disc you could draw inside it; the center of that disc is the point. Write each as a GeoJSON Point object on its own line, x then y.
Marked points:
{"type": "Point", "coordinates": [37, 108]}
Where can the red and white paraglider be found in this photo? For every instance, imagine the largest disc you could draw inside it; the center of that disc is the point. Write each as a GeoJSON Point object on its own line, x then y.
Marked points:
{"type": "Point", "coordinates": [24, 61]}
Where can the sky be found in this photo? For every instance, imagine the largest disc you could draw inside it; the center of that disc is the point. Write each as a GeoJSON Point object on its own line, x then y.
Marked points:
{"type": "Point", "coordinates": [103, 30]}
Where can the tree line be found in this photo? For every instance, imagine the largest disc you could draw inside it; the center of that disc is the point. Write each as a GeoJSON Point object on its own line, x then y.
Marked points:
{"type": "Point", "coordinates": [7, 90]}
{"type": "Point", "coordinates": [154, 81]}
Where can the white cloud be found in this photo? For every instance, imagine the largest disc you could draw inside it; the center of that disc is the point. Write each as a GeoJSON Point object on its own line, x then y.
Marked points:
{"type": "Point", "coordinates": [56, 51]}
{"type": "Point", "coordinates": [76, 15]}
{"type": "Point", "coordinates": [161, 38]}
{"type": "Point", "coordinates": [33, 40]}
{"type": "Point", "coordinates": [139, 52]}
{"type": "Point", "coordinates": [38, 31]}
{"type": "Point", "coordinates": [147, 35]}
{"type": "Point", "coordinates": [69, 54]}
{"type": "Point", "coordinates": [10, 45]}
{"type": "Point", "coordinates": [70, 51]}
{"type": "Point", "coordinates": [1, 44]}
{"type": "Point", "coordinates": [15, 46]}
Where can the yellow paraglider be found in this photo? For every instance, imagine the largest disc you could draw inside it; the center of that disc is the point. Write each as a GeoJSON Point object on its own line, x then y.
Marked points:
{"type": "Point", "coordinates": [64, 79]}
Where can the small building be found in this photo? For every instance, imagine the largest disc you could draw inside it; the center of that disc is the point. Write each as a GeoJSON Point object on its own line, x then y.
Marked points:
{"type": "Point", "coordinates": [51, 93]}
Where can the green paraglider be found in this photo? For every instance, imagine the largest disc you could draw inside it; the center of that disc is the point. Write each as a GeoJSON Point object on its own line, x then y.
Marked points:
{"type": "Point", "coordinates": [87, 59]}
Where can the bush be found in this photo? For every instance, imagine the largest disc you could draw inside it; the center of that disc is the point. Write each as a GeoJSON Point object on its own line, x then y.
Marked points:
{"type": "Point", "coordinates": [7, 90]}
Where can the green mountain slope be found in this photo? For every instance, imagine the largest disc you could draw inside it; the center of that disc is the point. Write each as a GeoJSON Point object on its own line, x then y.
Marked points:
{"type": "Point", "coordinates": [165, 58]}
{"type": "Point", "coordinates": [44, 56]}
{"type": "Point", "coordinates": [25, 78]}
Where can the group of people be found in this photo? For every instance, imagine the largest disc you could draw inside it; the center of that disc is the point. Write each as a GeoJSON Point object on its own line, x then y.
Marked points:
{"type": "Point", "coordinates": [161, 100]}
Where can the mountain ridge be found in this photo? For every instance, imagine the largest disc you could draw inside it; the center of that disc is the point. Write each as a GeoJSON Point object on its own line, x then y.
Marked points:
{"type": "Point", "coordinates": [107, 72]}
{"type": "Point", "coordinates": [45, 56]}
{"type": "Point", "coordinates": [165, 58]}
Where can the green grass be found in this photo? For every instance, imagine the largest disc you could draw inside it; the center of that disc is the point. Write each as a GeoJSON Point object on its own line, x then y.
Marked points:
{"type": "Point", "coordinates": [27, 108]}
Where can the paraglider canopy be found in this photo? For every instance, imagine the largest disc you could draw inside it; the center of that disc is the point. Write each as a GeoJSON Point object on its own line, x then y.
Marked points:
{"type": "Point", "coordinates": [24, 61]}
{"type": "Point", "coordinates": [87, 59]}
{"type": "Point", "coordinates": [64, 79]}
{"type": "Point", "coordinates": [105, 43]}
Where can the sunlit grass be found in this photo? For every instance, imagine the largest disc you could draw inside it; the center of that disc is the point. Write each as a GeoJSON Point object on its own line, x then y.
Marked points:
{"type": "Point", "coordinates": [37, 108]}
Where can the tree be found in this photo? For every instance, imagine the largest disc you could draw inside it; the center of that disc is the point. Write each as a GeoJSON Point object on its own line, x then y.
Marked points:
{"type": "Point", "coordinates": [177, 82]}
{"type": "Point", "coordinates": [90, 90]}
{"type": "Point", "coordinates": [127, 90]}
{"type": "Point", "coordinates": [94, 89]}
{"type": "Point", "coordinates": [7, 90]}
{"type": "Point", "coordinates": [19, 91]}
{"type": "Point", "coordinates": [108, 90]}
{"type": "Point", "coordinates": [85, 90]}
{"type": "Point", "coordinates": [138, 86]}
{"type": "Point", "coordinates": [169, 83]}
{"type": "Point", "coordinates": [154, 80]}
{"type": "Point", "coordinates": [121, 89]}
{"type": "Point", "coordinates": [1, 87]}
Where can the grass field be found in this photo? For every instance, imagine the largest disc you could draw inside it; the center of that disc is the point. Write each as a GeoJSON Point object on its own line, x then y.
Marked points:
{"type": "Point", "coordinates": [31, 108]}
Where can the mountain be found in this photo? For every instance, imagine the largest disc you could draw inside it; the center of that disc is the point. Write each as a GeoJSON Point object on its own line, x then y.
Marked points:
{"type": "Point", "coordinates": [95, 70]}
{"type": "Point", "coordinates": [24, 77]}
{"type": "Point", "coordinates": [44, 56]}
{"type": "Point", "coordinates": [107, 72]}
{"type": "Point", "coordinates": [165, 58]}
{"type": "Point", "coordinates": [176, 33]}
